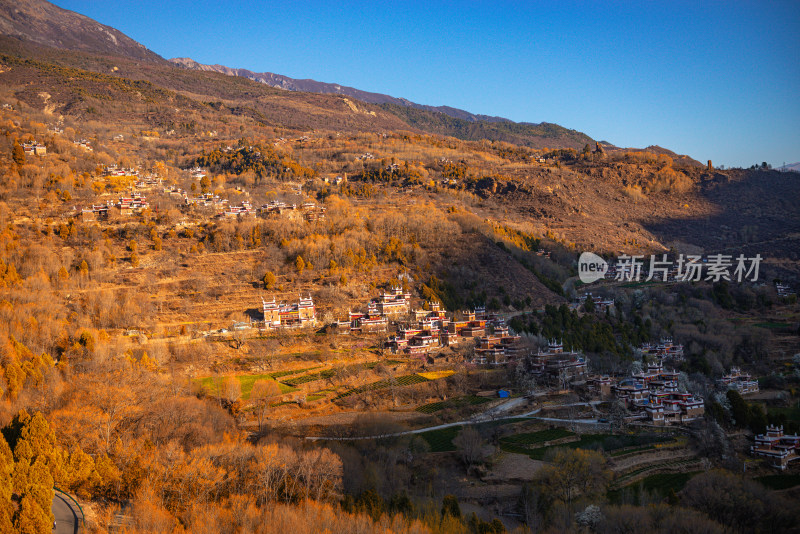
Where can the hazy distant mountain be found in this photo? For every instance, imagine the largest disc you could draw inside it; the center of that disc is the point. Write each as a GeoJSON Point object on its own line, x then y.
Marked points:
{"type": "Point", "coordinates": [312, 86]}
{"type": "Point", "coordinates": [790, 167]}
{"type": "Point", "coordinates": [46, 24]}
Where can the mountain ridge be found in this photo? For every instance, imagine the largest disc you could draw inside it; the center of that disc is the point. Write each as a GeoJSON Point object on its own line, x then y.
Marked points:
{"type": "Point", "coordinates": [790, 167]}
{"type": "Point", "coordinates": [38, 23]}
{"type": "Point", "coordinates": [281, 81]}
{"type": "Point", "coordinates": [46, 24]}
{"type": "Point", "coordinates": [443, 120]}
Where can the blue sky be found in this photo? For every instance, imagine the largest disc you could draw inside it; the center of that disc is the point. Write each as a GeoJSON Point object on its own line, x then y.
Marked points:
{"type": "Point", "coordinates": [714, 80]}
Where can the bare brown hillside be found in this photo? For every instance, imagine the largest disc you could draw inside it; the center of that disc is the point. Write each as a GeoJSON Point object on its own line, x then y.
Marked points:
{"type": "Point", "coordinates": [47, 24]}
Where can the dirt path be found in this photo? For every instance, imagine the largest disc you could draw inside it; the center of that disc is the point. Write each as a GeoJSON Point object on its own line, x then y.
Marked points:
{"type": "Point", "coordinates": [483, 417]}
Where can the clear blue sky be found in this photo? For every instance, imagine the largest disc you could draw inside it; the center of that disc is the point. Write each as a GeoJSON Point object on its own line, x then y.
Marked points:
{"type": "Point", "coordinates": [711, 79]}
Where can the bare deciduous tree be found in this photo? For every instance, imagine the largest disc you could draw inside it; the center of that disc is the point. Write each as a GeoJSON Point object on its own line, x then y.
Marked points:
{"type": "Point", "coordinates": [470, 444]}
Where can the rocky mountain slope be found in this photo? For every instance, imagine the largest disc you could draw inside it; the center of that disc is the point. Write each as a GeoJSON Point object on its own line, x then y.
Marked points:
{"type": "Point", "coordinates": [280, 81]}
{"type": "Point", "coordinates": [42, 23]}
{"type": "Point", "coordinates": [46, 24]}
{"type": "Point", "coordinates": [444, 120]}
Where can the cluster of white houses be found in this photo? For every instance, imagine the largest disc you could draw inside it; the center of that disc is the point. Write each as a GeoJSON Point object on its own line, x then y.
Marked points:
{"type": "Point", "coordinates": [494, 345]}
{"type": "Point", "coordinates": [559, 367]}
{"type": "Point", "coordinates": [245, 208]}
{"type": "Point", "coordinates": [741, 382]}
{"type": "Point", "coordinates": [652, 395]}
{"type": "Point", "coordinates": [311, 211]}
{"type": "Point", "coordinates": [127, 205]}
{"type": "Point", "coordinates": [132, 204]}
{"type": "Point", "coordinates": [114, 170]}
{"type": "Point", "coordinates": [390, 304]}
{"type": "Point", "coordinates": [222, 206]}
{"type": "Point", "coordinates": [663, 350]}
{"type": "Point", "coordinates": [417, 332]}
{"type": "Point", "coordinates": [204, 199]}
{"type": "Point", "coordinates": [84, 144]}
{"type": "Point", "coordinates": [34, 149]}
{"type": "Point", "coordinates": [777, 447]}
{"type": "Point", "coordinates": [784, 290]}
{"type": "Point", "coordinates": [497, 346]}
{"type": "Point", "coordinates": [285, 315]}
{"type": "Point", "coordinates": [136, 202]}
{"type": "Point", "coordinates": [601, 304]}
{"type": "Point", "coordinates": [197, 173]}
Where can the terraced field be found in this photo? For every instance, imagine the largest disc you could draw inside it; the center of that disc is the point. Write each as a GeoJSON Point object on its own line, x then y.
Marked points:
{"type": "Point", "coordinates": [329, 373]}
{"type": "Point", "coordinates": [280, 374]}
{"type": "Point", "coordinates": [212, 384]}
{"type": "Point", "coordinates": [532, 443]}
{"type": "Point", "coordinates": [405, 380]}
{"type": "Point", "coordinates": [323, 393]}
{"type": "Point", "coordinates": [457, 402]}
{"type": "Point", "coordinates": [669, 465]}
{"type": "Point", "coordinates": [304, 379]}
{"type": "Point", "coordinates": [660, 484]}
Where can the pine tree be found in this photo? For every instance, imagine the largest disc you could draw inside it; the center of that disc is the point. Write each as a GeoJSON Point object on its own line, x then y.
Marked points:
{"type": "Point", "coordinates": [38, 441]}
{"type": "Point", "coordinates": [40, 486]}
{"type": "Point", "coordinates": [6, 486]}
{"type": "Point", "coordinates": [18, 153]}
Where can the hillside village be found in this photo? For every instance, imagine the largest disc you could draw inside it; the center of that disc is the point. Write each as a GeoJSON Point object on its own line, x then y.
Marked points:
{"type": "Point", "coordinates": [212, 310]}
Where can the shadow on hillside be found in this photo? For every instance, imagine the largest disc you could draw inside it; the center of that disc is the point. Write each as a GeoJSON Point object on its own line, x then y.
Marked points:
{"type": "Point", "coordinates": [756, 213]}
{"type": "Point", "coordinates": [254, 314]}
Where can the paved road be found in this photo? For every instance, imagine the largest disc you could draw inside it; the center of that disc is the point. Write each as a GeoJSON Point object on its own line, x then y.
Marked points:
{"type": "Point", "coordinates": [67, 520]}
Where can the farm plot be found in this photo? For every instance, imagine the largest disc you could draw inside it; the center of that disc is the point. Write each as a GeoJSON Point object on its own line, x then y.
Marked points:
{"type": "Point", "coordinates": [457, 402]}
{"type": "Point", "coordinates": [660, 484]}
{"type": "Point", "coordinates": [211, 384]}
{"type": "Point", "coordinates": [304, 379]}
{"type": "Point", "coordinates": [330, 373]}
{"type": "Point", "coordinates": [280, 374]}
{"type": "Point", "coordinates": [323, 393]}
{"type": "Point", "coordinates": [405, 380]}
{"type": "Point", "coordinates": [441, 440]}
{"type": "Point", "coordinates": [532, 444]}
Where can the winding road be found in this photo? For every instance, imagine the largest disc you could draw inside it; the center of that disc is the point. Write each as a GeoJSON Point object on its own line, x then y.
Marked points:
{"type": "Point", "coordinates": [67, 518]}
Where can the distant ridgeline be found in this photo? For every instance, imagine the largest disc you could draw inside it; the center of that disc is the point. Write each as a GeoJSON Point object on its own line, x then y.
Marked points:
{"type": "Point", "coordinates": [532, 135]}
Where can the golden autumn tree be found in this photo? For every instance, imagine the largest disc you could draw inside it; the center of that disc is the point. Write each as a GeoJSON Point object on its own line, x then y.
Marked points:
{"type": "Point", "coordinates": [38, 465]}
{"type": "Point", "coordinates": [575, 472]}
{"type": "Point", "coordinates": [6, 486]}
{"type": "Point", "coordinates": [260, 395]}
{"type": "Point", "coordinates": [231, 389]}
{"type": "Point", "coordinates": [18, 154]}
{"type": "Point", "coordinates": [300, 264]}
{"type": "Point", "coordinates": [37, 441]}
{"type": "Point", "coordinates": [269, 280]}
{"type": "Point", "coordinates": [34, 514]}
{"type": "Point", "coordinates": [80, 474]}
